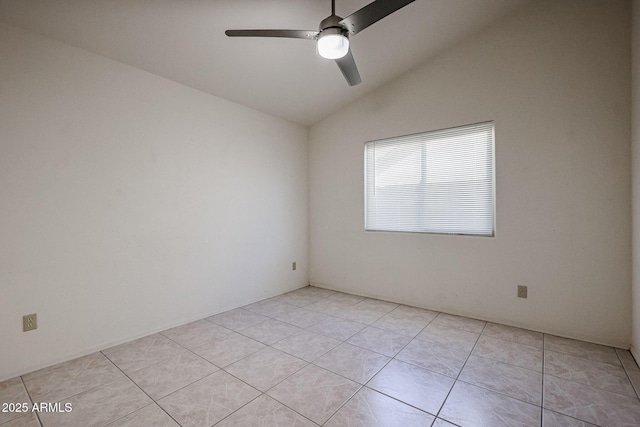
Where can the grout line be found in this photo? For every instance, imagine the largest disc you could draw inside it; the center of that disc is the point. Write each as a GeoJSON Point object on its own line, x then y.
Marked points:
{"type": "Point", "coordinates": [233, 412]}
{"type": "Point", "coordinates": [461, 369]}
{"type": "Point", "coordinates": [624, 368]}
{"type": "Point", "coordinates": [256, 398]}
{"type": "Point", "coordinates": [191, 383]}
{"type": "Point", "coordinates": [572, 417]}
{"type": "Point", "coordinates": [621, 366]}
{"type": "Point", "coordinates": [365, 384]}
{"type": "Point", "coordinates": [153, 401]}
{"type": "Point", "coordinates": [509, 364]}
{"type": "Point", "coordinates": [632, 358]}
{"type": "Point", "coordinates": [360, 386]}
{"type": "Point", "coordinates": [31, 399]}
{"type": "Point", "coordinates": [593, 386]}
{"type": "Point", "coordinates": [284, 379]}
{"type": "Point", "coordinates": [102, 384]}
{"type": "Point", "coordinates": [401, 361]}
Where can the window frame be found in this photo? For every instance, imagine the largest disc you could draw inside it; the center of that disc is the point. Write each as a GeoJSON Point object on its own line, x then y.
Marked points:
{"type": "Point", "coordinates": [492, 164]}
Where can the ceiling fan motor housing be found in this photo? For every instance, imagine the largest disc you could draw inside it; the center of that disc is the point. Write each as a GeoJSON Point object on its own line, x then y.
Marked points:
{"type": "Point", "coordinates": [331, 25]}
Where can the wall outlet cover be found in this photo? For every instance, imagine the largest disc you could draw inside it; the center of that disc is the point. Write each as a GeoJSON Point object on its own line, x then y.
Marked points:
{"type": "Point", "coordinates": [29, 322]}
{"type": "Point", "coordinates": [522, 291]}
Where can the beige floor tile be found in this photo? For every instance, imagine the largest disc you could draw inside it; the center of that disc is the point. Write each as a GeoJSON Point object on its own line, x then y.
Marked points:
{"type": "Point", "coordinates": [370, 408]}
{"type": "Point", "coordinates": [315, 291]}
{"type": "Point", "coordinates": [380, 341]}
{"type": "Point", "coordinates": [515, 382]}
{"type": "Point", "coordinates": [377, 305]}
{"type": "Point", "coordinates": [171, 374]}
{"type": "Point", "coordinates": [265, 412]}
{"type": "Point", "coordinates": [37, 373]}
{"type": "Point", "coordinates": [438, 358]}
{"type": "Point", "coordinates": [13, 392]}
{"type": "Point", "coordinates": [237, 319]}
{"type": "Point", "coordinates": [590, 404]}
{"type": "Point", "coordinates": [442, 423]}
{"type": "Point", "coordinates": [348, 299]}
{"type": "Point", "coordinates": [553, 419]}
{"type": "Point", "coordinates": [151, 416]}
{"type": "Point", "coordinates": [265, 368]}
{"type": "Point", "coordinates": [298, 299]}
{"type": "Point", "coordinates": [521, 355]}
{"type": "Point", "coordinates": [227, 350]}
{"type": "Point", "coordinates": [268, 308]}
{"type": "Point", "coordinates": [307, 345]}
{"type": "Point", "coordinates": [327, 306]}
{"type": "Point", "coordinates": [10, 383]}
{"type": "Point", "coordinates": [626, 358]}
{"type": "Point", "coordinates": [314, 392]}
{"type": "Point", "coordinates": [340, 329]}
{"type": "Point", "coordinates": [359, 314]}
{"type": "Point", "coordinates": [468, 405]}
{"type": "Point", "coordinates": [301, 317]}
{"type": "Point", "coordinates": [144, 342]}
{"type": "Point", "coordinates": [194, 334]}
{"type": "Point", "coordinates": [631, 368]}
{"type": "Point", "coordinates": [400, 324]}
{"type": "Point", "coordinates": [414, 313]}
{"type": "Point", "coordinates": [73, 377]}
{"type": "Point", "coordinates": [413, 385]}
{"type": "Point", "coordinates": [590, 372]}
{"type": "Point", "coordinates": [634, 376]}
{"type": "Point", "coordinates": [208, 400]}
{"type": "Point", "coordinates": [582, 349]}
{"type": "Point", "coordinates": [355, 363]}
{"type": "Point", "coordinates": [270, 331]}
{"type": "Point", "coordinates": [26, 420]}
{"type": "Point", "coordinates": [509, 333]}
{"type": "Point", "coordinates": [459, 322]}
{"type": "Point", "coordinates": [99, 406]}
{"type": "Point", "coordinates": [449, 337]}
{"type": "Point", "coordinates": [143, 352]}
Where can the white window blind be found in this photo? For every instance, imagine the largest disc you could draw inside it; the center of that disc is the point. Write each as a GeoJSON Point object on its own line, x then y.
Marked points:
{"type": "Point", "coordinates": [433, 182]}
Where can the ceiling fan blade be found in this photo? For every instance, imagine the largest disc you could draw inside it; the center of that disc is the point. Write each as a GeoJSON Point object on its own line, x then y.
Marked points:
{"type": "Point", "coordinates": [290, 34]}
{"type": "Point", "coordinates": [372, 13]}
{"type": "Point", "coordinates": [349, 70]}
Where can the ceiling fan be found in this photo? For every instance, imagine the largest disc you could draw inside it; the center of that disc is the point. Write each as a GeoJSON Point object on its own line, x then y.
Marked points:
{"type": "Point", "coordinates": [333, 33]}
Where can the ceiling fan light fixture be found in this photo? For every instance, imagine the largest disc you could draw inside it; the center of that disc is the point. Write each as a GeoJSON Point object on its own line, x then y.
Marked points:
{"type": "Point", "coordinates": [333, 44]}
{"type": "Point", "coordinates": [332, 37]}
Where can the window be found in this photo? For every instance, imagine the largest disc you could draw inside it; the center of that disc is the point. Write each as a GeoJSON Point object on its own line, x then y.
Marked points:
{"type": "Point", "coordinates": [433, 182]}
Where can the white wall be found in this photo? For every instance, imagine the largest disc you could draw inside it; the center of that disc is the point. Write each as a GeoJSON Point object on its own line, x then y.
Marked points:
{"type": "Point", "coordinates": [555, 77]}
{"type": "Point", "coordinates": [635, 132]}
{"type": "Point", "coordinates": [130, 203]}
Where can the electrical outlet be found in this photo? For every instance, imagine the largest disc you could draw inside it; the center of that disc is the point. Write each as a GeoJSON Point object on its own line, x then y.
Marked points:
{"type": "Point", "coordinates": [522, 291]}
{"type": "Point", "coordinates": [29, 322]}
{"type": "Point", "coordinates": [293, 265]}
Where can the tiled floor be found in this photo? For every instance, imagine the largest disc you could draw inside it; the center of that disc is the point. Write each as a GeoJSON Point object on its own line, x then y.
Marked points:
{"type": "Point", "coordinates": [317, 357]}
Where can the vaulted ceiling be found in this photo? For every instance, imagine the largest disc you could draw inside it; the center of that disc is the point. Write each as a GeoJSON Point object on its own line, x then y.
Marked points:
{"type": "Point", "coordinates": [183, 40]}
